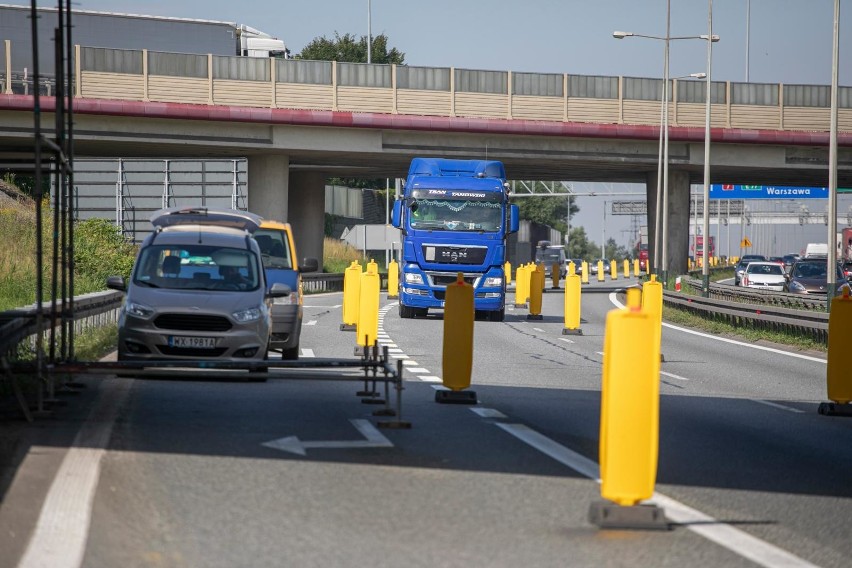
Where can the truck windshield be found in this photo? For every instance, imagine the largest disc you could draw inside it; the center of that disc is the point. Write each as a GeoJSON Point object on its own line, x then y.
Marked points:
{"type": "Point", "coordinates": [456, 215]}
{"type": "Point", "coordinates": [549, 255]}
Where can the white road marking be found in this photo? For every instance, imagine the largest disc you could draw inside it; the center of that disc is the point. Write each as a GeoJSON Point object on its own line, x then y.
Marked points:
{"type": "Point", "coordinates": [389, 345]}
{"type": "Point", "coordinates": [439, 387]}
{"type": "Point", "coordinates": [394, 349]}
{"type": "Point", "coordinates": [565, 340]}
{"type": "Point", "coordinates": [326, 307]}
{"type": "Point", "coordinates": [535, 328]}
{"type": "Point", "coordinates": [411, 362]}
{"type": "Point", "coordinates": [374, 439]}
{"type": "Point", "coordinates": [673, 376]}
{"type": "Point", "coordinates": [488, 413]}
{"type": "Point", "coordinates": [776, 405]}
{"type": "Point", "coordinates": [430, 378]}
{"type": "Point", "coordinates": [312, 322]}
{"type": "Point", "coordinates": [307, 352]}
{"type": "Point", "coordinates": [600, 353]}
{"type": "Point", "coordinates": [418, 370]}
{"type": "Point", "coordinates": [735, 540]}
{"type": "Point", "coordinates": [614, 300]}
{"type": "Point", "coordinates": [60, 535]}
{"type": "Point", "coordinates": [399, 356]}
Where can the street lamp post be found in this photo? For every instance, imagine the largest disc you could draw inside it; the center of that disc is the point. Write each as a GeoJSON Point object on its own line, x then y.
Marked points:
{"type": "Point", "coordinates": [661, 222]}
{"type": "Point", "coordinates": [705, 268]}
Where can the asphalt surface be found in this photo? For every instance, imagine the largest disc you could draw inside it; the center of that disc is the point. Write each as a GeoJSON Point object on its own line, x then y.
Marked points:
{"type": "Point", "coordinates": [187, 475]}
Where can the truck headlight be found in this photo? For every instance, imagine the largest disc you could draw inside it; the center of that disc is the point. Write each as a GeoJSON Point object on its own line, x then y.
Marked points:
{"type": "Point", "coordinates": [138, 310]}
{"type": "Point", "coordinates": [245, 316]}
{"type": "Point", "coordinates": [493, 282]}
{"type": "Point", "coordinates": [413, 278]}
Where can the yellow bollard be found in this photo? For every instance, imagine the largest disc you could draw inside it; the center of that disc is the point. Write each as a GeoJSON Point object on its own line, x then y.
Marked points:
{"type": "Point", "coordinates": [572, 303]}
{"type": "Point", "coordinates": [613, 270]}
{"type": "Point", "coordinates": [636, 267]}
{"type": "Point", "coordinates": [572, 268]}
{"type": "Point", "coordinates": [630, 399]}
{"type": "Point", "coordinates": [626, 265]}
{"type": "Point", "coordinates": [507, 272]}
{"type": "Point", "coordinates": [555, 268]}
{"type": "Point", "coordinates": [351, 296]}
{"type": "Point", "coordinates": [838, 378]}
{"type": "Point", "coordinates": [600, 271]}
{"type": "Point", "coordinates": [457, 355]}
{"type": "Point", "coordinates": [393, 280]}
{"type": "Point", "coordinates": [536, 291]}
{"type": "Point", "coordinates": [652, 302]}
{"type": "Point", "coordinates": [584, 268]}
{"type": "Point", "coordinates": [367, 328]}
{"type": "Point", "coordinates": [522, 286]}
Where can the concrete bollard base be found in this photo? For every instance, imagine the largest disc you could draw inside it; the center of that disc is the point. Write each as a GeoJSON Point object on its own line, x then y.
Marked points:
{"type": "Point", "coordinates": [608, 515]}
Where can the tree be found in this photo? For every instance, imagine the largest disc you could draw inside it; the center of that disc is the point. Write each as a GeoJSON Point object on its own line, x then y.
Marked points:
{"type": "Point", "coordinates": [351, 49]}
{"type": "Point", "coordinates": [579, 245]}
{"type": "Point", "coordinates": [548, 210]}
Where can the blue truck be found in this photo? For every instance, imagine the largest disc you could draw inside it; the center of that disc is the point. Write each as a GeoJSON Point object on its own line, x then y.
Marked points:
{"type": "Point", "coordinates": [454, 217]}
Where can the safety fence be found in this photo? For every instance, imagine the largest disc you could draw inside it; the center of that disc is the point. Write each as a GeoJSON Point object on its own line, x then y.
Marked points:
{"type": "Point", "coordinates": [740, 294]}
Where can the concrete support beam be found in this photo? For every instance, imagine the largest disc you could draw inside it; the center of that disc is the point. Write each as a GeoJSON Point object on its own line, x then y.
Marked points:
{"type": "Point", "coordinates": [268, 185]}
{"type": "Point", "coordinates": [678, 222]}
{"type": "Point", "coordinates": [307, 213]}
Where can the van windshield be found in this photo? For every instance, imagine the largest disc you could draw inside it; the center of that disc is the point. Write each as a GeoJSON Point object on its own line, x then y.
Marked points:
{"type": "Point", "coordinates": [197, 267]}
{"type": "Point", "coordinates": [549, 255]}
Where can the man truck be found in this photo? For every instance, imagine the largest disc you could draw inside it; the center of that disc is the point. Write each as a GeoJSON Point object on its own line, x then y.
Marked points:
{"type": "Point", "coordinates": [454, 216]}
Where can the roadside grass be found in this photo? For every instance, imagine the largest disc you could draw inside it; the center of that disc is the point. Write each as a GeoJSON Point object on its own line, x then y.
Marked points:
{"type": "Point", "coordinates": [746, 334]}
{"type": "Point", "coordinates": [338, 255]}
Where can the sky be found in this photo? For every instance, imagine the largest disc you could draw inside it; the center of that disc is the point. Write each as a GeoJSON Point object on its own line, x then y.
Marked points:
{"type": "Point", "coordinates": [789, 41]}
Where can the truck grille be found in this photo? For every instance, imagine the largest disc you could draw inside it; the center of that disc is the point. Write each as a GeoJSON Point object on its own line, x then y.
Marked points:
{"type": "Point", "coordinates": [446, 278]}
{"type": "Point", "coordinates": [454, 255]}
{"type": "Point", "coordinates": [192, 322]}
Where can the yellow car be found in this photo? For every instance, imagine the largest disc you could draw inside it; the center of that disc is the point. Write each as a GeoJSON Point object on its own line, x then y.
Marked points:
{"type": "Point", "coordinates": [280, 263]}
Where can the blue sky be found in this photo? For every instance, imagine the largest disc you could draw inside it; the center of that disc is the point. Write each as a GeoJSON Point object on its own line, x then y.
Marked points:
{"type": "Point", "coordinates": [790, 40]}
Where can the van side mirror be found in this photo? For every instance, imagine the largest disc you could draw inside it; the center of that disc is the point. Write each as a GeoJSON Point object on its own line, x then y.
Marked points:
{"type": "Point", "coordinates": [116, 283]}
{"type": "Point", "coordinates": [279, 290]}
{"type": "Point", "coordinates": [309, 265]}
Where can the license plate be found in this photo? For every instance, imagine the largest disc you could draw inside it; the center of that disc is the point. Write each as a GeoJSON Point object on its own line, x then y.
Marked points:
{"type": "Point", "coordinates": [192, 342]}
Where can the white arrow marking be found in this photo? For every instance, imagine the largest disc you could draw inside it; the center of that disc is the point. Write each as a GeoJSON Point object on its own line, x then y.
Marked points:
{"type": "Point", "coordinates": [374, 439]}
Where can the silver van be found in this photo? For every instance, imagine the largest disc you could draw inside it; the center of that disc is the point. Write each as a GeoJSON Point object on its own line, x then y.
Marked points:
{"type": "Point", "coordinates": [197, 290]}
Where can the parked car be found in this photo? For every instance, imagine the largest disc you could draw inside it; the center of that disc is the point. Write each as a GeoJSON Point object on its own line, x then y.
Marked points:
{"type": "Point", "coordinates": [764, 275]}
{"type": "Point", "coordinates": [739, 269]}
{"type": "Point", "coordinates": [197, 290]}
{"type": "Point", "coordinates": [278, 252]}
{"type": "Point", "coordinates": [810, 276]}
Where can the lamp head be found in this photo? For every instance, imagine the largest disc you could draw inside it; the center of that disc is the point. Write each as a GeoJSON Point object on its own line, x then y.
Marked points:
{"type": "Point", "coordinates": [621, 35]}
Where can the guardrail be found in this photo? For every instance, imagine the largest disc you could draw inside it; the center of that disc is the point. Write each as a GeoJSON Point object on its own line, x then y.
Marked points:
{"type": "Point", "coordinates": [99, 308]}
{"type": "Point", "coordinates": [754, 296]}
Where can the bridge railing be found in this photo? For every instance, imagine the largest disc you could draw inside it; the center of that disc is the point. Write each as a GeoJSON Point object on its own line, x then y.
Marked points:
{"type": "Point", "coordinates": [147, 75]}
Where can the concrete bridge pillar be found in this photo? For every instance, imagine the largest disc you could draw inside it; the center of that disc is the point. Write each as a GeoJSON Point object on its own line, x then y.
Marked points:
{"type": "Point", "coordinates": [678, 222]}
{"type": "Point", "coordinates": [268, 186]}
{"type": "Point", "coordinates": [307, 213]}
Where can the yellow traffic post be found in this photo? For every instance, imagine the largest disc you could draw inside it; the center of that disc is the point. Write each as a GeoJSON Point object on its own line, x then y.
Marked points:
{"type": "Point", "coordinates": [522, 286]}
{"type": "Point", "coordinates": [600, 271]}
{"type": "Point", "coordinates": [635, 267]}
{"type": "Point", "coordinates": [393, 280]}
{"type": "Point", "coordinates": [626, 265]}
{"type": "Point", "coordinates": [539, 267]}
{"type": "Point", "coordinates": [652, 302]}
{"type": "Point", "coordinates": [367, 328]}
{"type": "Point", "coordinates": [613, 270]}
{"type": "Point", "coordinates": [536, 291]}
{"type": "Point", "coordinates": [555, 268]}
{"type": "Point", "coordinates": [351, 296]}
{"type": "Point", "coordinates": [507, 272]}
{"type": "Point", "coordinates": [457, 355]}
{"type": "Point", "coordinates": [584, 269]}
{"type": "Point", "coordinates": [630, 416]}
{"type": "Point", "coordinates": [572, 303]}
{"type": "Point", "coordinates": [572, 268]}
{"type": "Point", "coordinates": [838, 378]}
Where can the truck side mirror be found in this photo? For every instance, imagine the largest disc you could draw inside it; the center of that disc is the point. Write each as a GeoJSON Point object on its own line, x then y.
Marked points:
{"type": "Point", "coordinates": [396, 217]}
{"type": "Point", "coordinates": [514, 218]}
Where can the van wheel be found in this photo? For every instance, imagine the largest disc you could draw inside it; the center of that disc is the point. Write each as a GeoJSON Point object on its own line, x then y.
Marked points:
{"type": "Point", "coordinates": [291, 354]}
{"type": "Point", "coordinates": [497, 315]}
{"type": "Point", "coordinates": [405, 312]}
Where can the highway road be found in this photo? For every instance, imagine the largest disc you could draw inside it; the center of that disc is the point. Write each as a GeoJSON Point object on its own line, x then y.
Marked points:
{"type": "Point", "coordinates": [200, 473]}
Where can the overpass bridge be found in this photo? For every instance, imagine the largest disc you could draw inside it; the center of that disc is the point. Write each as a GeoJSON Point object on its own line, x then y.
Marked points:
{"type": "Point", "coordinates": [298, 122]}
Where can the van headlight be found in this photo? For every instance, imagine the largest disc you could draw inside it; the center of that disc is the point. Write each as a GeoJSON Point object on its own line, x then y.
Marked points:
{"type": "Point", "coordinates": [138, 310]}
{"type": "Point", "coordinates": [289, 300]}
{"type": "Point", "coordinates": [493, 282]}
{"type": "Point", "coordinates": [245, 316]}
{"type": "Point", "coordinates": [413, 278]}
